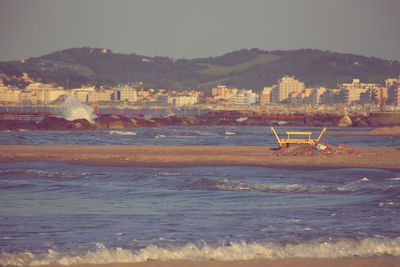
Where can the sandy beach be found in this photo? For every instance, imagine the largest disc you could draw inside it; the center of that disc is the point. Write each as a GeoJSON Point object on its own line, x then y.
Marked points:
{"type": "Point", "coordinates": [181, 156]}
{"type": "Point", "coordinates": [350, 262]}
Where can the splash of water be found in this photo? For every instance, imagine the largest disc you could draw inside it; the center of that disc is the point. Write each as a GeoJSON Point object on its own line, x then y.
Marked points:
{"type": "Point", "coordinates": [73, 109]}
{"type": "Point", "coordinates": [344, 248]}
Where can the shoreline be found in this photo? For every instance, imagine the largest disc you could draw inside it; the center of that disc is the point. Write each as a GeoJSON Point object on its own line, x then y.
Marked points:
{"type": "Point", "coordinates": [300, 262]}
{"type": "Point", "coordinates": [190, 156]}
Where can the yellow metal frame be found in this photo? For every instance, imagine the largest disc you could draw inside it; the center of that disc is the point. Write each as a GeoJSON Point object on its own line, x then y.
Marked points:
{"type": "Point", "coordinates": [289, 140]}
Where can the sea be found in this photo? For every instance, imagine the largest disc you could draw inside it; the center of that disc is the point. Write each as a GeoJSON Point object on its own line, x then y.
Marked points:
{"type": "Point", "coordinates": [57, 212]}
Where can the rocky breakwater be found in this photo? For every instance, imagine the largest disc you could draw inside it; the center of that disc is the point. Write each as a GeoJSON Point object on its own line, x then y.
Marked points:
{"type": "Point", "coordinates": [214, 118]}
{"type": "Point", "coordinates": [376, 119]}
{"type": "Point", "coordinates": [61, 124]}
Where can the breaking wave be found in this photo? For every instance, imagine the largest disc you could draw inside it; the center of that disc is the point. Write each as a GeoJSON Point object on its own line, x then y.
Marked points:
{"type": "Point", "coordinates": [73, 109]}
{"type": "Point", "coordinates": [231, 185]}
{"type": "Point", "coordinates": [41, 174]}
{"type": "Point", "coordinates": [121, 132]}
{"type": "Point", "coordinates": [369, 247]}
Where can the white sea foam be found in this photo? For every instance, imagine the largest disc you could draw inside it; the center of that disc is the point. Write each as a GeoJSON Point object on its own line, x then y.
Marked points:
{"type": "Point", "coordinates": [231, 185]}
{"type": "Point", "coordinates": [121, 132]}
{"type": "Point", "coordinates": [23, 173]}
{"type": "Point", "coordinates": [73, 109]}
{"type": "Point", "coordinates": [201, 133]}
{"type": "Point", "coordinates": [369, 247]}
{"type": "Point", "coordinates": [173, 136]}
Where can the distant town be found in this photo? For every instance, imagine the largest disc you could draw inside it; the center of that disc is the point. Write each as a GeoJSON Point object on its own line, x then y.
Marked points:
{"type": "Point", "coordinates": [287, 93]}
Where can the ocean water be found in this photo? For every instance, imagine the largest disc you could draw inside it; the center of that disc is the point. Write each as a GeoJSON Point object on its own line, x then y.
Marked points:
{"type": "Point", "coordinates": [187, 135]}
{"type": "Point", "coordinates": [55, 212]}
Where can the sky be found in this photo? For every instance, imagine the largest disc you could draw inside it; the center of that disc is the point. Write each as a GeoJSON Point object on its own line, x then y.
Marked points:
{"type": "Point", "coordinates": [199, 28]}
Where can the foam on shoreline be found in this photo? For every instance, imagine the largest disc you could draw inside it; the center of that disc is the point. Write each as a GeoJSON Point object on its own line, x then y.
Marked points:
{"type": "Point", "coordinates": [231, 251]}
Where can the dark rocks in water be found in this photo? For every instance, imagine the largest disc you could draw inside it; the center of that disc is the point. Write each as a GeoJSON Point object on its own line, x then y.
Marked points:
{"type": "Point", "coordinates": [143, 122]}
{"type": "Point", "coordinates": [16, 125]}
{"type": "Point", "coordinates": [359, 122]}
{"type": "Point", "coordinates": [107, 121]}
{"type": "Point", "coordinates": [177, 120]}
{"type": "Point", "coordinates": [345, 121]}
{"type": "Point", "coordinates": [213, 118]}
{"type": "Point", "coordinates": [61, 124]}
{"type": "Point", "coordinates": [380, 119]}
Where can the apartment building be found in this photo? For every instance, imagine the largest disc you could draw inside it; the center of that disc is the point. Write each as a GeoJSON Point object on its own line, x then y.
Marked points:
{"type": "Point", "coordinates": [358, 92]}
{"type": "Point", "coordinates": [221, 91]}
{"type": "Point", "coordinates": [38, 92]}
{"type": "Point", "coordinates": [288, 86]}
{"type": "Point", "coordinates": [127, 93]}
{"type": "Point", "coordinates": [266, 95]}
{"type": "Point", "coordinates": [9, 94]}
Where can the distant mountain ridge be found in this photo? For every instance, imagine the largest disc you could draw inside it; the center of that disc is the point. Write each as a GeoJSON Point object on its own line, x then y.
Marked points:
{"type": "Point", "coordinates": [246, 68]}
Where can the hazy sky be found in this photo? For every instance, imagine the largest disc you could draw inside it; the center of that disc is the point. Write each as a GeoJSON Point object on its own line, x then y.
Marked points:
{"type": "Point", "coordinates": [199, 28]}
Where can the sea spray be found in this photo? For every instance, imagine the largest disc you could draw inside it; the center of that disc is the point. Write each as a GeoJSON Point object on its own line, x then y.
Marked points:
{"type": "Point", "coordinates": [73, 109]}
{"type": "Point", "coordinates": [343, 248]}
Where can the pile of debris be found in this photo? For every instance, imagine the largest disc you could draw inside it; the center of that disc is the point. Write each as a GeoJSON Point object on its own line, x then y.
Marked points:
{"type": "Point", "coordinates": [321, 149]}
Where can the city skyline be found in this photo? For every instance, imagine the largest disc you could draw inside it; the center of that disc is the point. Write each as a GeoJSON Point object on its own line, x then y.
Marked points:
{"type": "Point", "coordinates": [190, 29]}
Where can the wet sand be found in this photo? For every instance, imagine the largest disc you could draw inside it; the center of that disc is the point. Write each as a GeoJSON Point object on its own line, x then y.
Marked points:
{"type": "Point", "coordinates": [181, 156]}
{"type": "Point", "coordinates": [350, 262]}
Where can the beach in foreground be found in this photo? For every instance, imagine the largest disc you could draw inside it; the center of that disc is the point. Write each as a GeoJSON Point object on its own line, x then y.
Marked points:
{"type": "Point", "coordinates": [348, 262]}
{"type": "Point", "coordinates": [181, 156]}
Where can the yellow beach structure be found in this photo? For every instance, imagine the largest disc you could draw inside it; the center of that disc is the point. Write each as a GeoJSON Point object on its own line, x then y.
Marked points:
{"type": "Point", "coordinates": [289, 140]}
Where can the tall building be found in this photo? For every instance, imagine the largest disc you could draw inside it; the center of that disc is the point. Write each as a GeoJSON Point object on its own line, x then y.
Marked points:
{"type": "Point", "coordinates": [288, 85]}
{"type": "Point", "coordinates": [266, 96]}
{"type": "Point", "coordinates": [397, 102]}
{"type": "Point", "coordinates": [221, 91]}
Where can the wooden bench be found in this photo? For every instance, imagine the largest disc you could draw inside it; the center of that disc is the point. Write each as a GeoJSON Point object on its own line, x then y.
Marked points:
{"type": "Point", "coordinates": [285, 142]}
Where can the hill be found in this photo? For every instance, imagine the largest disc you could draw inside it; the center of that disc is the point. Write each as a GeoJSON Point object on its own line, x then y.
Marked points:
{"type": "Point", "coordinates": [245, 68]}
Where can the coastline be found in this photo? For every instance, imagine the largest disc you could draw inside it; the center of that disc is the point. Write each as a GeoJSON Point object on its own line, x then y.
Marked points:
{"type": "Point", "coordinates": [189, 156]}
{"type": "Point", "coordinates": [300, 262]}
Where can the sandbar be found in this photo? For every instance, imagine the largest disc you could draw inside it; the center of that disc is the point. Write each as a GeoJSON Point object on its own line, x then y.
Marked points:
{"type": "Point", "coordinates": [185, 156]}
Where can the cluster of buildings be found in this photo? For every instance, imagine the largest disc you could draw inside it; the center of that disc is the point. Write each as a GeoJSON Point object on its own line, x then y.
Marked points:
{"type": "Point", "coordinates": [291, 91]}
{"type": "Point", "coordinates": [288, 90]}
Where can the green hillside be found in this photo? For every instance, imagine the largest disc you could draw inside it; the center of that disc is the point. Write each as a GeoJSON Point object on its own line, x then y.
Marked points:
{"type": "Point", "coordinates": [253, 69]}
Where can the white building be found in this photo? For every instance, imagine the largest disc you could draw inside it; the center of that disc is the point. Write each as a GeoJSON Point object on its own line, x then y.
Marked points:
{"type": "Point", "coordinates": [9, 94]}
{"type": "Point", "coordinates": [127, 93]}
{"type": "Point", "coordinates": [242, 97]}
{"type": "Point", "coordinates": [84, 94]}
{"type": "Point", "coordinates": [42, 93]}
{"type": "Point", "coordinates": [183, 100]}
{"type": "Point", "coordinates": [287, 86]}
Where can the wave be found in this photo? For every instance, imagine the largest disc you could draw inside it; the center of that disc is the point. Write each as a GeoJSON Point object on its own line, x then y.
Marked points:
{"type": "Point", "coordinates": [369, 247]}
{"type": "Point", "coordinates": [231, 185]}
{"type": "Point", "coordinates": [41, 174]}
{"type": "Point", "coordinates": [202, 133]}
{"type": "Point", "coordinates": [121, 132]}
{"type": "Point", "coordinates": [169, 174]}
{"type": "Point", "coordinates": [157, 136]}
